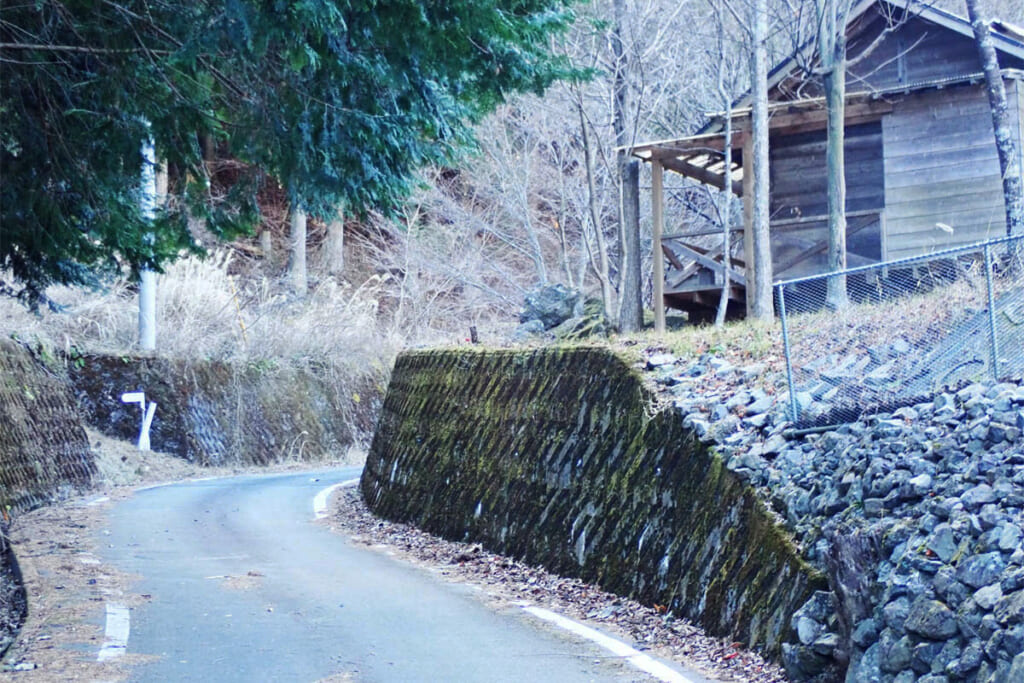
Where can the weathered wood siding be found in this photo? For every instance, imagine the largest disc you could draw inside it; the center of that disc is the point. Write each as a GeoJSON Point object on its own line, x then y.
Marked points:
{"type": "Point", "coordinates": [941, 167]}
{"type": "Point", "coordinates": [798, 178]}
{"type": "Point", "coordinates": [917, 51]}
{"type": "Point", "coordinates": [799, 192]}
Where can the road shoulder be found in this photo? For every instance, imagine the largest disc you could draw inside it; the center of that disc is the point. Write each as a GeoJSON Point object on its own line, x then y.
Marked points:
{"type": "Point", "coordinates": [505, 583]}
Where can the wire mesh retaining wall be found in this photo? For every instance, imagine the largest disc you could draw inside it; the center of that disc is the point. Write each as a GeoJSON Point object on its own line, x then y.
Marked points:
{"type": "Point", "coordinates": [895, 332]}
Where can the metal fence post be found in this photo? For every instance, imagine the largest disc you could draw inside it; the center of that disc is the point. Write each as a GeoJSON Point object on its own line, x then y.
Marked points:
{"type": "Point", "coordinates": [991, 313]}
{"type": "Point", "coordinates": [793, 408]}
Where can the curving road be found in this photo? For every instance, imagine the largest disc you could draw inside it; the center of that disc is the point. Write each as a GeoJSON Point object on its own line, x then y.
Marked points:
{"type": "Point", "coordinates": [245, 587]}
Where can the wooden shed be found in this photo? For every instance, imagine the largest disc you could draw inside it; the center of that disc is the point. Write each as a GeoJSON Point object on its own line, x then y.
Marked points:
{"type": "Point", "coordinates": [922, 171]}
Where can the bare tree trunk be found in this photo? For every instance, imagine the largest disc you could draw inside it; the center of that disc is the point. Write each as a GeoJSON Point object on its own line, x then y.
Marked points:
{"type": "Point", "coordinates": [1009, 160]}
{"type": "Point", "coordinates": [630, 277]}
{"type": "Point", "coordinates": [835, 164]}
{"type": "Point", "coordinates": [601, 263]}
{"type": "Point", "coordinates": [267, 244]}
{"type": "Point", "coordinates": [153, 196]}
{"type": "Point", "coordinates": [560, 224]}
{"type": "Point", "coordinates": [297, 276]}
{"type": "Point", "coordinates": [726, 213]}
{"type": "Point", "coordinates": [209, 146]}
{"type": "Point", "coordinates": [761, 304]}
{"type": "Point", "coordinates": [333, 254]}
{"type": "Point", "coordinates": [725, 203]}
{"type": "Point", "coordinates": [631, 311]}
{"type": "Point", "coordinates": [534, 241]}
{"type": "Point", "coordinates": [831, 22]}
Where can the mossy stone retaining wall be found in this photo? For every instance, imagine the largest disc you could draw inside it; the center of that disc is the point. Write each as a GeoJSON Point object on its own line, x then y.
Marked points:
{"type": "Point", "coordinates": [212, 412]}
{"type": "Point", "coordinates": [43, 447]}
{"type": "Point", "coordinates": [559, 458]}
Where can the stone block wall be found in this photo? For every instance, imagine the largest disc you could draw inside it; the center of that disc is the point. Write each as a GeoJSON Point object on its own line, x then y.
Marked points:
{"type": "Point", "coordinates": [43, 447]}
{"type": "Point", "coordinates": [212, 412]}
{"type": "Point", "coordinates": [561, 458]}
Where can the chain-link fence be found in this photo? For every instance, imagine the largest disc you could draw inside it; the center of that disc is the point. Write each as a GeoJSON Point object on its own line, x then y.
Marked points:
{"type": "Point", "coordinates": [890, 334]}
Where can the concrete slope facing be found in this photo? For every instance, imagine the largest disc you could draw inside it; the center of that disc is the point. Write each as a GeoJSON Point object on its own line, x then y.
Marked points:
{"type": "Point", "coordinates": [561, 457]}
{"type": "Point", "coordinates": [43, 446]}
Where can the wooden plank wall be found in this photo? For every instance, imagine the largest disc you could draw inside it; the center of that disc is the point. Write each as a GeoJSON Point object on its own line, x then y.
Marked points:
{"type": "Point", "coordinates": [1015, 92]}
{"type": "Point", "coordinates": [917, 51]}
{"type": "Point", "coordinates": [799, 191]}
{"type": "Point", "coordinates": [798, 177]}
{"type": "Point", "coordinates": [941, 167]}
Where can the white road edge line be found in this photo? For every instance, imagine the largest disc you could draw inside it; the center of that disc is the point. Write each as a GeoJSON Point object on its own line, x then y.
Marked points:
{"type": "Point", "coordinates": [633, 656]}
{"type": "Point", "coordinates": [116, 633]}
{"type": "Point", "coordinates": [175, 482]}
{"type": "Point", "coordinates": [320, 499]}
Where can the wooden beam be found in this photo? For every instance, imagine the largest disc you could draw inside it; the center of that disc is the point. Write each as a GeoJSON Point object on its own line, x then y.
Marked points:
{"type": "Point", "coordinates": [675, 148]}
{"type": "Point", "coordinates": [707, 261]}
{"type": "Point", "coordinates": [819, 247]}
{"type": "Point", "coordinates": [683, 273]}
{"type": "Point", "coordinates": [815, 126]}
{"type": "Point", "coordinates": [784, 117]}
{"type": "Point", "coordinates": [658, 260]}
{"type": "Point", "coordinates": [856, 112]}
{"type": "Point", "coordinates": [692, 268]}
{"type": "Point", "coordinates": [799, 220]}
{"type": "Point", "coordinates": [673, 259]}
{"type": "Point", "coordinates": [697, 233]}
{"type": "Point", "coordinates": [685, 168]}
{"type": "Point", "coordinates": [735, 293]}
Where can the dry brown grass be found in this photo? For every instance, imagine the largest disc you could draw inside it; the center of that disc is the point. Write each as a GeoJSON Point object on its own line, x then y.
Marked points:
{"type": "Point", "coordinates": [924, 320]}
{"type": "Point", "coordinates": [747, 340]}
{"type": "Point", "coordinates": [919, 319]}
{"type": "Point", "coordinates": [205, 311]}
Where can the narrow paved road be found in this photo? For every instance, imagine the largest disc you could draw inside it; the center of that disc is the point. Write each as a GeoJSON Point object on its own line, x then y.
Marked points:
{"type": "Point", "coordinates": [245, 587]}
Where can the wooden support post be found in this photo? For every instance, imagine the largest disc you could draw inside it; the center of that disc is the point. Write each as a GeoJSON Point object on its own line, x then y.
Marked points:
{"type": "Point", "coordinates": [657, 258]}
{"type": "Point", "coordinates": [748, 211]}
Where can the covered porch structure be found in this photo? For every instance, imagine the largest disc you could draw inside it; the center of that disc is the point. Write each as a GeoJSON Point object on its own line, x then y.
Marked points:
{"type": "Point", "coordinates": [689, 263]}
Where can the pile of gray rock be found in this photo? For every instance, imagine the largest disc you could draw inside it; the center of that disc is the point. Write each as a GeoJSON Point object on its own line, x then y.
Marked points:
{"type": "Point", "coordinates": [864, 376]}
{"type": "Point", "coordinates": [560, 313]}
{"type": "Point", "coordinates": [916, 516]}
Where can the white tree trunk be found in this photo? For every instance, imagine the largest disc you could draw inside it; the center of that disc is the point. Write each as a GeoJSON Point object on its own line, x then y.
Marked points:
{"type": "Point", "coordinates": [726, 213]}
{"type": "Point", "coordinates": [631, 311]}
{"type": "Point", "coordinates": [1009, 159]}
{"type": "Point", "coordinates": [333, 253]}
{"type": "Point", "coordinates": [267, 244]}
{"type": "Point", "coordinates": [760, 291]}
{"type": "Point", "coordinates": [297, 276]}
{"type": "Point", "coordinates": [600, 261]}
{"type": "Point", "coordinates": [725, 197]}
{"type": "Point", "coordinates": [154, 192]}
{"type": "Point", "coordinates": [630, 278]}
{"type": "Point", "coordinates": [835, 164]}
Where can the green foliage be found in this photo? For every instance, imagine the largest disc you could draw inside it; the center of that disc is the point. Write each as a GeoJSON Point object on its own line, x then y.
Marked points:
{"type": "Point", "coordinates": [338, 101]}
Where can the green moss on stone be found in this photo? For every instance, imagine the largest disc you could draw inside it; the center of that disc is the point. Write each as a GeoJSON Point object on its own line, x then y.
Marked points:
{"type": "Point", "coordinates": [569, 470]}
{"type": "Point", "coordinates": [213, 413]}
{"type": "Point", "coordinates": [43, 446]}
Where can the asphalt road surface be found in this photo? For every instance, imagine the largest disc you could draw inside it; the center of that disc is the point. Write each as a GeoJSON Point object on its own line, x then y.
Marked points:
{"type": "Point", "coordinates": [246, 587]}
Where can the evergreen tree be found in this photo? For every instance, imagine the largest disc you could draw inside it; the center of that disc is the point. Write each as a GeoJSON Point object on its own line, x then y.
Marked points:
{"type": "Point", "coordinates": [338, 101]}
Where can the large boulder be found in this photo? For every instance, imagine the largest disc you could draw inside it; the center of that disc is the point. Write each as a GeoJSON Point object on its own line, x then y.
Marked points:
{"type": "Point", "coordinates": [592, 322]}
{"type": "Point", "coordinates": [552, 305]}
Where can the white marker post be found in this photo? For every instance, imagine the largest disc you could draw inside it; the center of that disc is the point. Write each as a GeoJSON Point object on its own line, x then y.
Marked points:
{"type": "Point", "coordinates": [147, 415]}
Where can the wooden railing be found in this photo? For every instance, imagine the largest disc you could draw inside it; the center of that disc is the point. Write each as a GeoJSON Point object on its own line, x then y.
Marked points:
{"type": "Point", "coordinates": [695, 268]}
